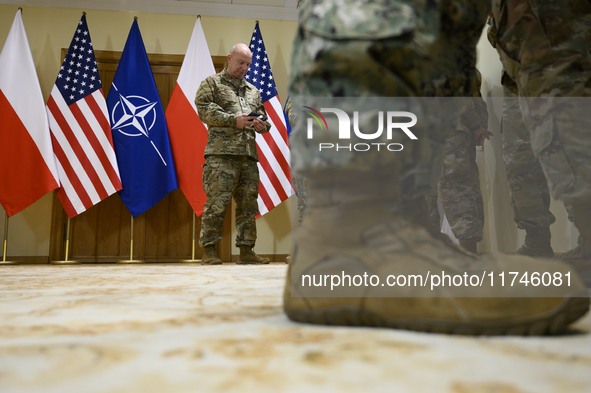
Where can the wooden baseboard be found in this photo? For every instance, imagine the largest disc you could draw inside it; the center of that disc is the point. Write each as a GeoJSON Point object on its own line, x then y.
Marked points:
{"type": "Point", "coordinates": [29, 260]}
{"type": "Point", "coordinates": [44, 260]}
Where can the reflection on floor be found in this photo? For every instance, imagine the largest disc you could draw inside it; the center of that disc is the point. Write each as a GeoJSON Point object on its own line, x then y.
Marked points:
{"type": "Point", "coordinates": [191, 328]}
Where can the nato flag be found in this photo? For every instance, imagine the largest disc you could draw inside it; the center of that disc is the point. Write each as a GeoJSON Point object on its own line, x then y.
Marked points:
{"type": "Point", "coordinates": [139, 130]}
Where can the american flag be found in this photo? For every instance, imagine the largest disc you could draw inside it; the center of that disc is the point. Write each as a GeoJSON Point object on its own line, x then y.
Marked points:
{"type": "Point", "coordinates": [273, 147]}
{"type": "Point", "coordinates": [80, 129]}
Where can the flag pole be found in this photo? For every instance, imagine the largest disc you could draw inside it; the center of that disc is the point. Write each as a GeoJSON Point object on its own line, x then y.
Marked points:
{"type": "Point", "coordinates": [131, 260]}
{"type": "Point", "coordinates": [192, 260]}
{"type": "Point", "coordinates": [66, 261]}
{"type": "Point", "coordinates": [4, 261]}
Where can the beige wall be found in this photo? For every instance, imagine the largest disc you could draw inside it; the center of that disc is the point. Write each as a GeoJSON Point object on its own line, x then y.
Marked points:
{"type": "Point", "coordinates": [51, 29]}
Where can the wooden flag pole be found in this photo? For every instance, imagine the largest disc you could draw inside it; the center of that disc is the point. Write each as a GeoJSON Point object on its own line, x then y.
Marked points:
{"type": "Point", "coordinates": [4, 261]}
{"type": "Point", "coordinates": [66, 261]}
{"type": "Point", "coordinates": [131, 260]}
{"type": "Point", "coordinates": [192, 260]}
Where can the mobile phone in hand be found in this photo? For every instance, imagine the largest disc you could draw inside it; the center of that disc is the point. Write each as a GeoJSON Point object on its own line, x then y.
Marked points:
{"type": "Point", "coordinates": [257, 115]}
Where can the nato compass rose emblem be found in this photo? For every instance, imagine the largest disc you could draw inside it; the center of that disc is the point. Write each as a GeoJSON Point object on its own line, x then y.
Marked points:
{"type": "Point", "coordinates": [135, 117]}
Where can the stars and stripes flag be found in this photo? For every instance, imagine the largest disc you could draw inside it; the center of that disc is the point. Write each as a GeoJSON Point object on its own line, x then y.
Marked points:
{"type": "Point", "coordinates": [273, 147]}
{"type": "Point", "coordinates": [80, 129]}
{"type": "Point", "coordinates": [27, 165]}
{"type": "Point", "coordinates": [188, 134]}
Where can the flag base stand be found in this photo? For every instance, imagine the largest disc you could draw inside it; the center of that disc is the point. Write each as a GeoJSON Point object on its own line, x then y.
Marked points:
{"type": "Point", "coordinates": [192, 260]}
{"type": "Point", "coordinates": [131, 261]}
{"type": "Point", "coordinates": [66, 261]}
{"type": "Point", "coordinates": [4, 262]}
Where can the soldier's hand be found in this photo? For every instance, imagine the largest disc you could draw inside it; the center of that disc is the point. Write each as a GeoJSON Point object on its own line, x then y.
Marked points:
{"type": "Point", "coordinates": [243, 120]}
{"type": "Point", "coordinates": [480, 135]}
{"type": "Point", "coordinates": [259, 125]}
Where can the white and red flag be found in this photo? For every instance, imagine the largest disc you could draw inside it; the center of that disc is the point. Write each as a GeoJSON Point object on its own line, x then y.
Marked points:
{"type": "Point", "coordinates": [188, 134]}
{"type": "Point", "coordinates": [80, 129]}
{"type": "Point", "coordinates": [273, 147]}
{"type": "Point", "coordinates": [27, 165]}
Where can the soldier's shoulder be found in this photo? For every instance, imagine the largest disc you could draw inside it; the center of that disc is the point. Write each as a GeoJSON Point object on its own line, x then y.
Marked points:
{"type": "Point", "coordinates": [250, 87]}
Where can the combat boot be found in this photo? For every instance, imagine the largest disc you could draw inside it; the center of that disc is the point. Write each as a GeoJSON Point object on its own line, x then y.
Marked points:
{"type": "Point", "coordinates": [537, 243]}
{"type": "Point", "coordinates": [358, 260]}
{"type": "Point", "coordinates": [580, 256]}
{"type": "Point", "coordinates": [249, 257]}
{"type": "Point", "coordinates": [210, 256]}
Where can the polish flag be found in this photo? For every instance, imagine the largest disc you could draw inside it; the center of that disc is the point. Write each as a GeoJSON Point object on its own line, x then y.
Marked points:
{"type": "Point", "coordinates": [188, 134]}
{"type": "Point", "coordinates": [27, 165]}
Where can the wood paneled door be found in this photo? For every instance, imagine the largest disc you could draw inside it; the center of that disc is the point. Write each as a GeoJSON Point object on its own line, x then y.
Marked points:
{"type": "Point", "coordinates": [163, 233]}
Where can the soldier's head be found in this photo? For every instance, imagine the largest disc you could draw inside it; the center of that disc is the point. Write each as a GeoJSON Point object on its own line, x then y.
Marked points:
{"type": "Point", "coordinates": [239, 60]}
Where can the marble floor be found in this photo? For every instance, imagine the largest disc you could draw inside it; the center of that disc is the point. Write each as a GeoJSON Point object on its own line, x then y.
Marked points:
{"type": "Point", "coordinates": [191, 328]}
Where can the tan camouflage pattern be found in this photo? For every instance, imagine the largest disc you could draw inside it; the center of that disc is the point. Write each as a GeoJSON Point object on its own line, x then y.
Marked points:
{"type": "Point", "coordinates": [224, 177]}
{"type": "Point", "coordinates": [551, 41]}
{"type": "Point", "coordinates": [377, 48]}
{"type": "Point", "coordinates": [219, 99]}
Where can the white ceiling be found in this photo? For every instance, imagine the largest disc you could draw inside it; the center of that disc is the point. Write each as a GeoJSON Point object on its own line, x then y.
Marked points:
{"type": "Point", "coordinates": [255, 9]}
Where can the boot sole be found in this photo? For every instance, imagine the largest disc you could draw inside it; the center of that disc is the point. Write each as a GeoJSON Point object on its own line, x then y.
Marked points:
{"type": "Point", "coordinates": [252, 263]}
{"type": "Point", "coordinates": [570, 311]}
{"type": "Point", "coordinates": [216, 262]}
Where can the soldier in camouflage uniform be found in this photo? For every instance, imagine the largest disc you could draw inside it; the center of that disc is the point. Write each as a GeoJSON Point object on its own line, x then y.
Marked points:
{"type": "Point", "coordinates": [530, 196]}
{"type": "Point", "coordinates": [223, 102]}
{"type": "Point", "coordinates": [545, 47]}
{"type": "Point", "coordinates": [458, 187]}
{"type": "Point", "coordinates": [365, 211]}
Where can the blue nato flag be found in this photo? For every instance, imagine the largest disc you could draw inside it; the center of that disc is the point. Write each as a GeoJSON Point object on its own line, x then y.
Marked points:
{"type": "Point", "coordinates": [139, 130]}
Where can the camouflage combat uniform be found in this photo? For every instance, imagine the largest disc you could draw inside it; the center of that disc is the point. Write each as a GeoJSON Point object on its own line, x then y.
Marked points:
{"type": "Point", "coordinates": [410, 49]}
{"type": "Point", "coordinates": [530, 197]}
{"type": "Point", "coordinates": [363, 213]}
{"type": "Point", "coordinates": [230, 157]}
{"type": "Point", "coordinates": [458, 187]}
{"type": "Point", "coordinates": [545, 47]}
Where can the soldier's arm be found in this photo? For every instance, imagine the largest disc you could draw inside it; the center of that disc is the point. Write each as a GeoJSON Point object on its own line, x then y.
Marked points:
{"type": "Point", "coordinates": [209, 111]}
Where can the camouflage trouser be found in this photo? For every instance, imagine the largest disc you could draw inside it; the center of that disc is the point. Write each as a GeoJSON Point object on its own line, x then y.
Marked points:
{"type": "Point", "coordinates": [459, 190]}
{"type": "Point", "coordinates": [530, 197]}
{"type": "Point", "coordinates": [225, 176]}
{"type": "Point", "coordinates": [551, 41]}
{"type": "Point", "coordinates": [389, 49]}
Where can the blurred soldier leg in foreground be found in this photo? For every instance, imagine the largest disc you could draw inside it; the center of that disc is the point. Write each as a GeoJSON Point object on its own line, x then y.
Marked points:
{"type": "Point", "coordinates": [365, 212]}
{"type": "Point", "coordinates": [551, 43]}
{"type": "Point", "coordinates": [530, 197]}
